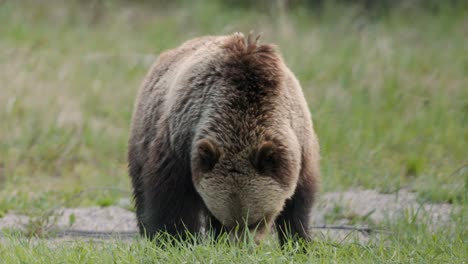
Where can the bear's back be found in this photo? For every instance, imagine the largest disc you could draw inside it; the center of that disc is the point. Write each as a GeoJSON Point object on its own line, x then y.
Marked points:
{"type": "Point", "coordinates": [156, 95]}
{"type": "Point", "coordinates": [174, 93]}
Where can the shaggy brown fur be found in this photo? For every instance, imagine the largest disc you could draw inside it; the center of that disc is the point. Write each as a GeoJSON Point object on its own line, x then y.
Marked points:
{"type": "Point", "coordinates": [221, 131]}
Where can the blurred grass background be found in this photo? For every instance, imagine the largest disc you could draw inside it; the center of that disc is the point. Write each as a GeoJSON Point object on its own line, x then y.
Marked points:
{"type": "Point", "coordinates": [386, 82]}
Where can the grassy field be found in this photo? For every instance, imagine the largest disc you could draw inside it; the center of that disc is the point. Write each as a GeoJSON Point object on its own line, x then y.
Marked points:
{"type": "Point", "coordinates": [388, 95]}
{"type": "Point", "coordinates": [402, 247]}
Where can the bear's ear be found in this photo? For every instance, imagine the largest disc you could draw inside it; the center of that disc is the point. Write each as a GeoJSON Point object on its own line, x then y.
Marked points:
{"type": "Point", "coordinates": [207, 155]}
{"type": "Point", "coordinates": [266, 158]}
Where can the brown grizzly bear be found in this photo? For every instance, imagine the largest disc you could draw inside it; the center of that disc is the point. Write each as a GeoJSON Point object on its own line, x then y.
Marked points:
{"type": "Point", "coordinates": [222, 134]}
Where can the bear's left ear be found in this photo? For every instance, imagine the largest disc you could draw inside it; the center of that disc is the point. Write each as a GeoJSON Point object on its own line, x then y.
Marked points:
{"type": "Point", "coordinates": [207, 155]}
{"type": "Point", "coordinates": [266, 158]}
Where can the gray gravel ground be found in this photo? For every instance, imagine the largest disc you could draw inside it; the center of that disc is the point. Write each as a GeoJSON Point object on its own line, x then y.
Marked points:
{"type": "Point", "coordinates": [353, 207]}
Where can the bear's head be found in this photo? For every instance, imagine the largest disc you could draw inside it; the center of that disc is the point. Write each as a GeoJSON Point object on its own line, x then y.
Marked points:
{"type": "Point", "coordinates": [245, 187]}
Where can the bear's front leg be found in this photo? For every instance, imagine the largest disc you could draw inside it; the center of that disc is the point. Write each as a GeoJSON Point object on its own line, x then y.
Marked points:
{"type": "Point", "coordinates": [171, 203]}
{"type": "Point", "coordinates": [293, 221]}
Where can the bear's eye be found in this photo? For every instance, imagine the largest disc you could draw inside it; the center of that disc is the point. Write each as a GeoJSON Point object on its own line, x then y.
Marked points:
{"type": "Point", "coordinates": [207, 155]}
{"type": "Point", "coordinates": [266, 158]}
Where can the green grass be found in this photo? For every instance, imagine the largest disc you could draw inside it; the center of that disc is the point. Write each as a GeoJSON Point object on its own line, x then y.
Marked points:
{"type": "Point", "coordinates": [388, 96]}
{"type": "Point", "coordinates": [399, 247]}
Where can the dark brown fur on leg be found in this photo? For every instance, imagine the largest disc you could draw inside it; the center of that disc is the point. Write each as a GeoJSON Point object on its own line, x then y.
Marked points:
{"type": "Point", "coordinates": [171, 203]}
{"type": "Point", "coordinates": [293, 222]}
{"type": "Point", "coordinates": [135, 166]}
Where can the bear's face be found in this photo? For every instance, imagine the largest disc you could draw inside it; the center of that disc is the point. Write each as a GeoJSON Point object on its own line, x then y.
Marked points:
{"type": "Point", "coordinates": [245, 187]}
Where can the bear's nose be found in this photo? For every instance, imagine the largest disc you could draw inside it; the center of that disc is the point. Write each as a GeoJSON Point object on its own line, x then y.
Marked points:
{"type": "Point", "coordinates": [254, 225]}
{"type": "Point", "coordinates": [239, 212]}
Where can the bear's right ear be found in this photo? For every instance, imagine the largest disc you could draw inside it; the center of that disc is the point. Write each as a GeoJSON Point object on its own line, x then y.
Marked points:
{"type": "Point", "coordinates": [207, 155]}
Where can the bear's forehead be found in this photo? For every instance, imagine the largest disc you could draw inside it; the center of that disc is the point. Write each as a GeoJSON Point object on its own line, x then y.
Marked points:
{"type": "Point", "coordinates": [235, 137]}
